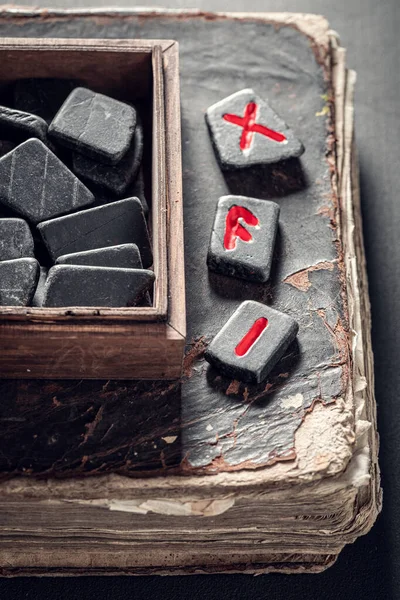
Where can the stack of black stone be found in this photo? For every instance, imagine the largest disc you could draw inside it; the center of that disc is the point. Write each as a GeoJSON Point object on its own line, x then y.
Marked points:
{"type": "Point", "coordinates": [65, 243]}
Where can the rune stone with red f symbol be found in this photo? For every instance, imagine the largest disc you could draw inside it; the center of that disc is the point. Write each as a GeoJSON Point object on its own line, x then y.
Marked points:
{"type": "Point", "coordinates": [243, 237]}
{"type": "Point", "coordinates": [246, 131]}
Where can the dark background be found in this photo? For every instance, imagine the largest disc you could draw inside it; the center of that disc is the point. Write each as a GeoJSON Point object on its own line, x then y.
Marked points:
{"type": "Point", "coordinates": [369, 568]}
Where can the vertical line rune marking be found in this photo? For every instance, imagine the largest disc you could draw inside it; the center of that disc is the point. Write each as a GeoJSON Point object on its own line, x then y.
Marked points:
{"type": "Point", "coordinates": [250, 338]}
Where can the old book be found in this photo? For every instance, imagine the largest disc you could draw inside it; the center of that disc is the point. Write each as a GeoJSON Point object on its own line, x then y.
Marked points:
{"type": "Point", "coordinates": [205, 474]}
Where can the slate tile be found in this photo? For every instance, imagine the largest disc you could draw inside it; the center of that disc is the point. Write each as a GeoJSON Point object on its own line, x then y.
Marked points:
{"type": "Point", "coordinates": [245, 131]}
{"type": "Point", "coordinates": [42, 96]}
{"type": "Point", "coordinates": [124, 256]}
{"type": "Point", "coordinates": [95, 125]}
{"type": "Point", "coordinates": [79, 285]}
{"type": "Point", "coordinates": [37, 185]}
{"type": "Point", "coordinates": [19, 126]}
{"type": "Point", "coordinates": [120, 222]}
{"type": "Point", "coordinates": [251, 342]}
{"type": "Point", "coordinates": [243, 237]}
{"type": "Point", "coordinates": [18, 279]}
{"type": "Point", "coordinates": [114, 178]}
{"type": "Point", "coordinates": [16, 239]}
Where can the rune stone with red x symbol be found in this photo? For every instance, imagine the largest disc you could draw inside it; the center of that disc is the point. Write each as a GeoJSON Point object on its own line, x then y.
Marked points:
{"type": "Point", "coordinates": [246, 131]}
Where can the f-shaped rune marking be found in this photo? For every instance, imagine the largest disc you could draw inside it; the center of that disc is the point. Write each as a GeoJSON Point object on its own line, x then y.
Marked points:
{"type": "Point", "coordinates": [250, 338]}
{"type": "Point", "coordinates": [234, 229]}
{"type": "Point", "coordinates": [250, 127]}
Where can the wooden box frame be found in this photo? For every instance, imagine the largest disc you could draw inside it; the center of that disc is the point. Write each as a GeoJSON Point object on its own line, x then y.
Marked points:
{"type": "Point", "coordinates": [120, 343]}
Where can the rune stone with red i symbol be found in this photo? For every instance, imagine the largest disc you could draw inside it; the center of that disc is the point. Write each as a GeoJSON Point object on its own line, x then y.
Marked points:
{"type": "Point", "coordinates": [243, 237]}
{"type": "Point", "coordinates": [252, 342]}
{"type": "Point", "coordinates": [246, 131]}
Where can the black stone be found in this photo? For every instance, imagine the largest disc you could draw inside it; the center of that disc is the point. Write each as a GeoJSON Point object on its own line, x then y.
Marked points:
{"type": "Point", "coordinates": [16, 239]}
{"type": "Point", "coordinates": [37, 185]}
{"type": "Point", "coordinates": [243, 237]}
{"type": "Point", "coordinates": [39, 293]}
{"type": "Point", "coordinates": [227, 350]}
{"type": "Point", "coordinates": [120, 222]}
{"type": "Point", "coordinates": [78, 285]}
{"type": "Point", "coordinates": [124, 256]}
{"type": "Point", "coordinates": [19, 126]}
{"type": "Point", "coordinates": [114, 178]}
{"type": "Point", "coordinates": [18, 279]}
{"type": "Point", "coordinates": [261, 149]}
{"type": "Point", "coordinates": [42, 97]}
{"type": "Point", "coordinates": [95, 125]}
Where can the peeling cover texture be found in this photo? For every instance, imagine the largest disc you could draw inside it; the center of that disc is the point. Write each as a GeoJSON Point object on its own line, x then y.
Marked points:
{"type": "Point", "coordinates": [207, 423]}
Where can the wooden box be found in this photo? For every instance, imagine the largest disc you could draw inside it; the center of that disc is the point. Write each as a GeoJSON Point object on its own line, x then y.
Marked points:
{"type": "Point", "coordinates": [124, 343]}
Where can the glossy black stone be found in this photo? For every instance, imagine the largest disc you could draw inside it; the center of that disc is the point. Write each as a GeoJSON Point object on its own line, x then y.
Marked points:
{"type": "Point", "coordinates": [19, 126]}
{"type": "Point", "coordinates": [243, 237]}
{"type": "Point", "coordinates": [37, 299]}
{"type": "Point", "coordinates": [276, 331]}
{"type": "Point", "coordinates": [16, 239]}
{"type": "Point", "coordinates": [18, 279]}
{"type": "Point", "coordinates": [234, 148]}
{"type": "Point", "coordinates": [95, 125]}
{"type": "Point", "coordinates": [37, 185]}
{"type": "Point", "coordinates": [124, 256]}
{"type": "Point", "coordinates": [114, 178]}
{"type": "Point", "coordinates": [42, 97]}
{"type": "Point", "coordinates": [79, 285]}
{"type": "Point", "coordinates": [121, 222]}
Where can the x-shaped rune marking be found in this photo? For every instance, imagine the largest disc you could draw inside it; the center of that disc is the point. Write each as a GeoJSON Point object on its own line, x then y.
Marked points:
{"type": "Point", "coordinates": [250, 127]}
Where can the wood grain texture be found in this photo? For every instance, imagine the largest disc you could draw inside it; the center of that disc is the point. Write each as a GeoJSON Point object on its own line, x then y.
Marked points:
{"type": "Point", "coordinates": [91, 351]}
{"type": "Point", "coordinates": [176, 273]}
{"type": "Point", "coordinates": [159, 204]}
{"type": "Point", "coordinates": [130, 71]}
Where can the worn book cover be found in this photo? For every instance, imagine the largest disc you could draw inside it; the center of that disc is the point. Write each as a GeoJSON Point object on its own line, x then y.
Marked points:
{"type": "Point", "coordinates": [207, 474]}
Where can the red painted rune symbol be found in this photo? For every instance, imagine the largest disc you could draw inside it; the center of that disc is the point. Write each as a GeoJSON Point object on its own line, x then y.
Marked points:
{"type": "Point", "coordinates": [250, 127]}
{"type": "Point", "coordinates": [234, 229]}
{"type": "Point", "coordinates": [250, 338]}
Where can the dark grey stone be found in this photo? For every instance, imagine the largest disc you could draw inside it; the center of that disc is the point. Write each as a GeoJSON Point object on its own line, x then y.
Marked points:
{"type": "Point", "coordinates": [19, 126]}
{"type": "Point", "coordinates": [120, 222]}
{"type": "Point", "coordinates": [16, 239]}
{"type": "Point", "coordinates": [39, 293]}
{"type": "Point", "coordinates": [18, 279]}
{"type": "Point", "coordinates": [114, 178]}
{"type": "Point", "coordinates": [37, 185]}
{"type": "Point", "coordinates": [95, 125]}
{"type": "Point", "coordinates": [227, 137]}
{"type": "Point", "coordinates": [78, 285]}
{"type": "Point", "coordinates": [225, 352]}
{"type": "Point", "coordinates": [42, 97]}
{"type": "Point", "coordinates": [124, 256]}
{"type": "Point", "coordinates": [243, 237]}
